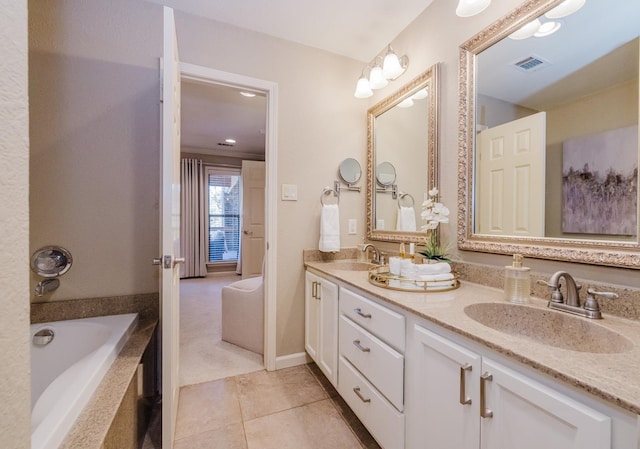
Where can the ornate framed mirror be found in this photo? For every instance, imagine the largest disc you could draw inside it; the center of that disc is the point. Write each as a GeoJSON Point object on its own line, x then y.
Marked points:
{"type": "Point", "coordinates": [402, 158]}
{"type": "Point", "coordinates": [548, 134]}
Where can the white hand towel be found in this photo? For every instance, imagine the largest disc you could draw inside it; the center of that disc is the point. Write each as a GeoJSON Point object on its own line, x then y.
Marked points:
{"type": "Point", "coordinates": [329, 229]}
{"type": "Point", "coordinates": [406, 219]}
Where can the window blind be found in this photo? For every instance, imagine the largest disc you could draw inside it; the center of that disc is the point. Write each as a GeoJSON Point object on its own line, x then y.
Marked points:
{"type": "Point", "coordinates": [224, 215]}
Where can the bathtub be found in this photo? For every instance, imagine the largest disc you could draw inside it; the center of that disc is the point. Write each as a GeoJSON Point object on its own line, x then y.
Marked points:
{"type": "Point", "coordinates": [66, 371]}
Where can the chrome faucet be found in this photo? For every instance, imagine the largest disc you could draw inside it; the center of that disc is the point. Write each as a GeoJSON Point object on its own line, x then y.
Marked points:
{"type": "Point", "coordinates": [377, 255]}
{"type": "Point", "coordinates": [590, 309]}
{"type": "Point", "coordinates": [48, 285]}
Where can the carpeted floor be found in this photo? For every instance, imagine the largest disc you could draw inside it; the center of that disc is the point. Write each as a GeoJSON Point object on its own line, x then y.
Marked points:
{"type": "Point", "coordinates": [203, 354]}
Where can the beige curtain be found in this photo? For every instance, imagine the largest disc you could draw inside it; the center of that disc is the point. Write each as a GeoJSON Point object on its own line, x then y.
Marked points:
{"type": "Point", "coordinates": [193, 217]}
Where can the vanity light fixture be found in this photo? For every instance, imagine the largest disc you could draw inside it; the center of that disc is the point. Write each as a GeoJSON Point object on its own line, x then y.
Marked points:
{"type": "Point", "coordinates": [377, 79]}
{"type": "Point", "coordinates": [406, 103]}
{"type": "Point", "coordinates": [379, 76]}
{"type": "Point", "coordinates": [565, 8]}
{"type": "Point", "coordinates": [468, 8]}
{"type": "Point", "coordinates": [537, 29]}
{"type": "Point", "coordinates": [527, 30]}
{"type": "Point", "coordinates": [392, 66]}
{"type": "Point", "coordinates": [422, 93]}
{"type": "Point", "coordinates": [363, 88]}
{"type": "Point", "coordinates": [547, 29]}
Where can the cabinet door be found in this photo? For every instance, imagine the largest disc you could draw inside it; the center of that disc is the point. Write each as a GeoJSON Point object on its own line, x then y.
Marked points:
{"type": "Point", "coordinates": [328, 336]}
{"type": "Point", "coordinates": [312, 315]}
{"type": "Point", "coordinates": [529, 415]}
{"type": "Point", "coordinates": [441, 401]}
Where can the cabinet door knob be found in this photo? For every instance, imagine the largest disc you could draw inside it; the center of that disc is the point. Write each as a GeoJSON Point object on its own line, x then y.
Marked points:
{"type": "Point", "coordinates": [464, 400]}
{"type": "Point", "coordinates": [356, 390]}
{"type": "Point", "coordinates": [357, 344]}
{"type": "Point", "coordinates": [484, 411]}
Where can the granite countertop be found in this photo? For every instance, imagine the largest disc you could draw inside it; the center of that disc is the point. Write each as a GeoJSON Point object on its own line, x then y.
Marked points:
{"type": "Point", "coordinates": [605, 375]}
{"type": "Point", "coordinates": [92, 425]}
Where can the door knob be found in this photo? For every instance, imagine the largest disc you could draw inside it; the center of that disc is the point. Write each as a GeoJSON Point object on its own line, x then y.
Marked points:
{"type": "Point", "coordinates": [247, 232]}
{"type": "Point", "coordinates": [178, 260]}
{"type": "Point", "coordinates": [157, 261]}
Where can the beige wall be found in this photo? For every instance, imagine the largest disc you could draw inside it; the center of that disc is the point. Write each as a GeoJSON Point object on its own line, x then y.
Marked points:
{"type": "Point", "coordinates": [94, 108]}
{"type": "Point", "coordinates": [94, 87]}
{"type": "Point", "coordinates": [15, 426]}
{"type": "Point", "coordinates": [320, 123]}
{"type": "Point", "coordinates": [578, 119]}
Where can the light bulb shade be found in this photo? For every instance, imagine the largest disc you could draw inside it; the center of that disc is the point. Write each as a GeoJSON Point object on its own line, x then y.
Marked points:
{"type": "Point", "coordinates": [565, 8]}
{"type": "Point", "coordinates": [527, 30]}
{"type": "Point", "coordinates": [406, 103]}
{"type": "Point", "coordinates": [363, 89]}
{"type": "Point", "coordinates": [391, 67]}
{"type": "Point", "coordinates": [547, 29]}
{"type": "Point", "coordinates": [468, 8]}
{"type": "Point", "coordinates": [376, 78]}
{"type": "Point", "coordinates": [422, 93]}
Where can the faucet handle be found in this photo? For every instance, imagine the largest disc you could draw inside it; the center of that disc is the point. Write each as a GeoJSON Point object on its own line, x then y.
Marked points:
{"type": "Point", "coordinates": [556, 294]}
{"type": "Point", "coordinates": [591, 303]}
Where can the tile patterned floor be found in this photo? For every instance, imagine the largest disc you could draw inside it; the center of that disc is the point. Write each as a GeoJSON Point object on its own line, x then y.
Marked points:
{"type": "Point", "coordinates": [293, 408]}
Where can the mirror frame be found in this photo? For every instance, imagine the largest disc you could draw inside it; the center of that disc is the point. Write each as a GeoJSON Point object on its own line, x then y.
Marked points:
{"type": "Point", "coordinates": [617, 254]}
{"type": "Point", "coordinates": [428, 78]}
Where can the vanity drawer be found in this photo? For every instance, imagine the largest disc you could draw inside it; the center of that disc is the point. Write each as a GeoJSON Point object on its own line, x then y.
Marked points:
{"type": "Point", "coordinates": [381, 321]}
{"type": "Point", "coordinates": [383, 421]}
{"type": "Point", "coordinates": [377, 361]}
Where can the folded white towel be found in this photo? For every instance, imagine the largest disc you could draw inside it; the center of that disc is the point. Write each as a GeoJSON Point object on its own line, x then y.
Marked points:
{"type": "Point", "coordinates": [329, 229]}
{"type": "Point", "coordinates": [406, 219]}
{"type": "Point", "coordinates": [433, 268]}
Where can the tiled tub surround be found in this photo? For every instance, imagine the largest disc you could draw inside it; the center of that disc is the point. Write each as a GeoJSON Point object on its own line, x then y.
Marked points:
{"type": "Point", "coordinates": [608, 377]}
{"type": "Point", "coordinates": [113, 409]}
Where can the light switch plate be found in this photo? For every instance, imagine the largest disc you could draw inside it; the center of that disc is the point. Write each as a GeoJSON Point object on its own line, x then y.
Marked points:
{"type": "Point", "coordinates": [353, 225]}
{"type": "Point", "coordinates": [289, 192]}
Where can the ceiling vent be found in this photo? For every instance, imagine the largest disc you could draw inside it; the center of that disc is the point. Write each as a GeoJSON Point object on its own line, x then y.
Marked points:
{"type": "Point", "coordinates": [225, 144]}
{"type": "Point", "coordinates": [531, 64]}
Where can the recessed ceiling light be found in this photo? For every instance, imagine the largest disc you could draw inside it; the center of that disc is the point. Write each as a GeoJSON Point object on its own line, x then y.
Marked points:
{"type": "Point", "coordinates": [248, 94]}
{"type": "Point", "coordinates": [230, 141]}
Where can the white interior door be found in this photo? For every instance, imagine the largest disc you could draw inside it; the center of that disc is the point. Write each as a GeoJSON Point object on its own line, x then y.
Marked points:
{"type": "Point", "coordinates": [170, 229]}
{"type": "Point", "coordinates": [253, 202]}
{"type": "Point", "coordinates": [511, 178]}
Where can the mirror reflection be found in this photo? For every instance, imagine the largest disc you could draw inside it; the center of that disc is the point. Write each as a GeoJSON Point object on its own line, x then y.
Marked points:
{"type": "Point", "coordinates": [385, 174]}
{"type": "Point", "coordinates": [557, 128]}
{"type": "Point", "coordinates": [350, 171]}
{"type": "Point", "coordinates": [402, 148]}
{"type": "Point", "coordinates": [551, 132]}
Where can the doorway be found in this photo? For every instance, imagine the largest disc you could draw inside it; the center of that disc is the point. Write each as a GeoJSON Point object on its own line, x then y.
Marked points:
{"type": "Point", "coordinates": [211, 286]}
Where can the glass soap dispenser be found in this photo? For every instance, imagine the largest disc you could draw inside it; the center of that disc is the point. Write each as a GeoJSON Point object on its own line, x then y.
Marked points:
{"type": "Point", "coordinates": [517, 281]}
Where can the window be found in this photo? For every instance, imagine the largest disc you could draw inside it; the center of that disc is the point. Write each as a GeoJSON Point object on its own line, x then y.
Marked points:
{"type": "Point", "coordinates": [224, 193]}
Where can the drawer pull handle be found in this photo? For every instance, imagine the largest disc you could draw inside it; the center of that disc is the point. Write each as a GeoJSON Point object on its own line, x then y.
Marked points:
{"type": "Point", "coordinates": [314, 289]}
{"type": "Point", "coordinates": [363, 315]}
{"type": "Point", "coordinates": [464, 400]}
{"type": "Point", "coordinates": [484, 411]}
{"type": "Point", "coordinates": [356, 390]}
{"type": "Point", "coordinates": [357, 344]}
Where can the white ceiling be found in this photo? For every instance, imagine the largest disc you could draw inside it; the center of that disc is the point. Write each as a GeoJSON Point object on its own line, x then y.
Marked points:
{"type": "Point", "coordinates": [212, 113]}
{"type": "Point", "coordinates": [359, 29]}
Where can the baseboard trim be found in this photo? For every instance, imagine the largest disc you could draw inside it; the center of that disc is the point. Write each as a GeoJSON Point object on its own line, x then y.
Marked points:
{"type": "Point", "coordinates": [287, 361]}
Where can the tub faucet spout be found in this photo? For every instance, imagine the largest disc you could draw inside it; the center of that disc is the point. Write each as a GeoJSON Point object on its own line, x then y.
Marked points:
{"type": "Point", "coordinates": [46, 286]}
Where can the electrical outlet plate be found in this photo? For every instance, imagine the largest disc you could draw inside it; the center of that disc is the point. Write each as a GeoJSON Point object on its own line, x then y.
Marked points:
{"type": "Point", "coordinates": [353, 225]}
